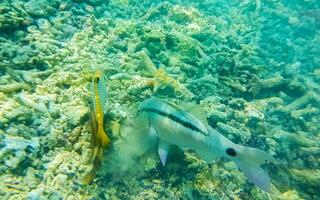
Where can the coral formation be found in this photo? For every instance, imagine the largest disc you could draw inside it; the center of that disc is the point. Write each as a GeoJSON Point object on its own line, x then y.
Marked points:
{"type": "Point", "coordinates": [252, 66]}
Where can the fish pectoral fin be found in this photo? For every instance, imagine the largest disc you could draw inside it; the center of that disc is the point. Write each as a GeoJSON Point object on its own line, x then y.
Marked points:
{"type": "Point", "coordinates": [163, 151]}
{"type": "Point", "coordinates": [152, 133]}
{"type": "Point", "coordinates": [206, 156]}
{"type": "Point", "coordinates": [151, 137]}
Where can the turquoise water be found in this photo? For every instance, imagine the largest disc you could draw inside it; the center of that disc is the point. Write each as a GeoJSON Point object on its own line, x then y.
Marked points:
{"type": "Point", "coordinates": [250, 69]}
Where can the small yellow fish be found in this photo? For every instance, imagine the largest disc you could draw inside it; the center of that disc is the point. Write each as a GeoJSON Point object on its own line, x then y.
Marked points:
{"type": "Point", "coordinates": [99, 91]}
{"type": "Point", "coordinates": [97, 150]}
{"type": "Point", "coordinates": [99, 138]}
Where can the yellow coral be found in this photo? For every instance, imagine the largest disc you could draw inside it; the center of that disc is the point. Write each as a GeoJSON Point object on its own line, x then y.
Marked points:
{"type": "Point", "coordinates": [115, 127]}
{"type": "Point", "coordinates": [162, 79]}
{"type": "Point", "coordinates": [290, 195]}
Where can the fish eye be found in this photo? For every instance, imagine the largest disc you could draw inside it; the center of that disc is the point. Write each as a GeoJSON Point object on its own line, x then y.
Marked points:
{"type": "Point", "coordinates": [97, 79]}
{"type": "Point", "coordinates": [231, 152]}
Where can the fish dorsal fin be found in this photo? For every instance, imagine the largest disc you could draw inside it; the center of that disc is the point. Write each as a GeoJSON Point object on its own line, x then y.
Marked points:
{"type": "Point", "coordinates": [173, 105]}
{"type": "Point", "coordinates": [181, 110]}
{"type": "Point", "coordinates": [195, 110]}
{"type": "Point", "coordinates": [192, 112]}
{"type": "Point", "coordinates": [190, 108]}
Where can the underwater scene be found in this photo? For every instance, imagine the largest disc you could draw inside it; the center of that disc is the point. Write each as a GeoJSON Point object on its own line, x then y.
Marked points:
{"type": "Point", "coordinates": [178, 99]}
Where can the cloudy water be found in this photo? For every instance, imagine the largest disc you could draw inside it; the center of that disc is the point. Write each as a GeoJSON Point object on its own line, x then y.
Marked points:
{"type": "Point", "coordinates": [74, 74]}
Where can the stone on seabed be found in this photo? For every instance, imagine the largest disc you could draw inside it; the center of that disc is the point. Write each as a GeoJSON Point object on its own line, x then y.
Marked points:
{"type": "Point", "coordinates": [250, 69]}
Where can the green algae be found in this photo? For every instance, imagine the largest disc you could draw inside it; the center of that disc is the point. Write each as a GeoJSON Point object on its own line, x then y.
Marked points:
{"type": "Point", "coordinates": [253, 66]}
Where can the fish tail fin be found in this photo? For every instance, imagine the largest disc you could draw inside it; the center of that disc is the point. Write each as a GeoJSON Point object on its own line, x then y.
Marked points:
{"type": "Point", "coordinates": [249, 161]}
{"type": "Point", "coordinates": [87, 179]}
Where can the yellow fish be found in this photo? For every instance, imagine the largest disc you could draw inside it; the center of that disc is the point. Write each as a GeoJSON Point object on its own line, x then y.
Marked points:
{"type": "Point", "coordinates": [99, 94]}
{"type": "Point", "coordinates": [99, 138]}
{"type": "Point", "coordinates": [97, 150]}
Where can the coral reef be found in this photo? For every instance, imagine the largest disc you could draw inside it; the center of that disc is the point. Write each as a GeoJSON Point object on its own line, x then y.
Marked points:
{"type": "Point", "coordinates": [251, 66]}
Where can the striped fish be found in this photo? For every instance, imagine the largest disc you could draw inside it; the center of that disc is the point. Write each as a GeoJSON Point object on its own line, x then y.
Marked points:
{"type": "Point", "coordinates": [99, 97]}
{"type": "Point", "coordinates": [173, 126]}
{"type": "Point", "coordinates": [99, 139]}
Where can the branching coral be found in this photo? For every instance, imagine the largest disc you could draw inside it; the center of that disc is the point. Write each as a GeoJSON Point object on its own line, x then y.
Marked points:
{"type": "Point", "coordinates": [15, 150]}
{"type": "Point", "coordinates": [162, 79]}
{"type": "Point", "coordinates": [252, 66]}
{"type": "Point", "coordinates": [13, 16]}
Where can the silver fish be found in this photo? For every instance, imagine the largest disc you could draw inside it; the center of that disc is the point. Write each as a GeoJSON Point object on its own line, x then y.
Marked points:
{"type": "Point", "coordinates": [173, 126]}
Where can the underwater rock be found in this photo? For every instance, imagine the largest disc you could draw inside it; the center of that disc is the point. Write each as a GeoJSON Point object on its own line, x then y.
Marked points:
{"type": "Point", "coordinates": [155, 40]}
{"type": "Point", "coordinates": [309, 97]}
{"type": "Point", "coordinates": [36, 194]}
{"type": "Point", "coordinates": [190, 50]}
{"type": "Point", "coordinates": [41, 8]}
{"type": "Point", "coordinates": [60, 179]}
{"type": "Point", "coordinates": [267, 84]}
{"type": "Point", "coordinates": [16, 149]}
{"type": "Point", "coordinates": [33, 76]}
{"type": "Point", "coordinates": [294, 138]}
{"type": "Point", "coordinates": [29, 102]}
{"type": "Point", "coordinates": [75, 115]}
{"type": "Point", "coordinates": [254, 113]}
{"type": "Point", "coordinates": [311, 177]}
{"type": "Point", "coordinates": [217, 116]}
{"type": "Point", "coordinates": [11, 113]}
{"type": "Point", "coordinates": [290, 195]}
{"type": "Point", "coordinates": [58, 173]}
{"type": "Point", "coordinates": [163, 81]}
{"type": "Point", "coordinates": [154, 11]}
{"type": "Point", "coordinates": [22, 56]}
{"type": "Point", "coordinates": [147, 62]}
{"type": "Point", "coordinates": [204, 86]}
{"type": "Point", "coordinates": [13, 87]}
{"type": "Point", "coordinates": [13, 16]}
{"type": "Point", "coordinates": [30, 178]}
{"type": "Point", "coordinates": [235, 85]}
{"type": "Point", "coordinates": [28, 77]}
{"type": "Point", "coordinates": [182, 14]}
{"type": "Point", "coordinates": [268, 103]}
{"type": "Point", "coordinates": [140, 86]}
{"type": "Point", "coordinates": [219, 55]}
{"type": "Point", "coordinates": [292, 69]}
{"type": "Point", "coordinates": [54, 110]}
{"type": "Point", "coordinates": [231, 131]}
{"type": "Point", "coordinates": [305, 112]}
{"type": "Point", "coordinates": [16, 160]}
{"type": "Point", "coordinates": [296, 88]}
{"type": "Point", "coordinates": [117, 112]}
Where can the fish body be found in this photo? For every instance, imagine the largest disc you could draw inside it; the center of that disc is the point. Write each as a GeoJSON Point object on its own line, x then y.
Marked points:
{"type": "Point", "coordinates": [173, 126]}
{"type": "Point", "coordinates": [99, 139]}
{"type": "Point", "coordinates": [99, 94]}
